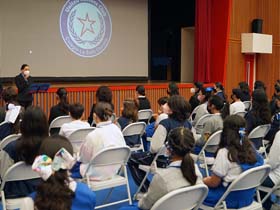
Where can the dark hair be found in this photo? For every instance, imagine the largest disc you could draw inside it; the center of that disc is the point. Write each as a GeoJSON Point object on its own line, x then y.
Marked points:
{"type": "Point", "coordinates": [130, 110]}
{"type": "Point", "coordinates": [55, 192]}
{"type": "Point", "coordinates": [260, 107]}
{"type": "Point", "coordinates": [63, 104]}
{"type": "Point", "coordinates": [259, 85]}
{"type": "Point", "coordinates": [104, 94]}
{"type": "Point", "coordinates": [198, 85]}
{"type": "Point", "coordinates": [219, 85]}
{"type": "Point", "coordinates": [162, 100]}
{"type": "Point", "coordinates": [34, 128]}
{"type": "Point", "coordinates": [244, 87]}
{"type": "Point", "coordinates": [237, 92]}
{"type": "Point", "coordinates": [220, 105]}
{"type": "Point", "coordinates": [9, 95]}
{"type": "Point", "coordinates": [173, 89]}
{"type": "Point", "coordinates": [23, 66]}
{"type": "Point", "coordinates": [76, 110]}
{"type": "Point", "coordinates": [207, 94]}
{"type": "Point", "coordinates": [140, 90]}
{"type": "Point", "coordinates": [181, 142]}
{"type": "Point", "coordinates": [103, 110]}
{"type": "Point", "coordinates": [180, 108]}
{"type": "Point", "coordinates": [240, 149]}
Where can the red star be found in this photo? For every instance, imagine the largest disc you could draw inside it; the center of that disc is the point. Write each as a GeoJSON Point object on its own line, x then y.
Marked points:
{"type": "Point", "coordinates": [87, 25]}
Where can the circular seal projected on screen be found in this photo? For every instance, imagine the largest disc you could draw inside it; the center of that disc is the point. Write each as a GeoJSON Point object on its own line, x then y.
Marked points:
{"type": "Point", "coordinates": [86, 27]}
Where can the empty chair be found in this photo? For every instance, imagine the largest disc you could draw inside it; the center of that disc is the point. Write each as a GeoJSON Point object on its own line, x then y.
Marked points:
{"type": "Point", "coordinates": [57, 123]}
{"type": "Point", "coordinates": [186, 198]}
{"type": "Point", "coordinates": [145, 115]}
{"type": "Point", "coordinates": [77, 138]}
{"type": "Point", "coordinates": [9, 139]}
{"type": "Point", "coordinates": [249, 179]}
{"type": "Point", "coordinates": [136, 130]}
{"type": "Point", "coordinates": [108, 157]}
{"type": "Point", "coordinates": [18, 172]}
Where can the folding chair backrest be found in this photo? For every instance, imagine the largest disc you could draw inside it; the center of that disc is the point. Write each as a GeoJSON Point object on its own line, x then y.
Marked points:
{"type": "Point", "coordinates": [59, 121]}
{"type": "Point", "coordinates": [136, 128]}
{"type": "Point", "coordinates": [192, 116]}
{"type": "Point", "coordinates": [145, 114]}
{"type": "Point", "coordinates": [110, 156]}
{"type": "Point", "coordinates": [259, 132]}
{"type": "Point", "coordinates": [247, 105]}
{"type": "Point", "coordinates": [186, 198]}
{"type": "Point", "coordinates": [241, 114]}
{"type": "Point", "coordinates": [18, 172]}
{"type": "Point", "coordinates": [8, 140]}
{"type": "Point", "coordinates": [78, 136]}
{"type": "Point", "coordinates": [201, 121]}
{"type": "Point", "coordinates": [249, 179]}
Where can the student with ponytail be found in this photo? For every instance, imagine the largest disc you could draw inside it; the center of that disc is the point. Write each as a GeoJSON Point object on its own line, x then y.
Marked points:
{"type": "Point", "coordinates": [57, 190]}
{"type": "Point", "coordinates": [235, 155]}
{"type": "Point", "coordinates": [181, 172]}
{"type": "Point", "coordinates": [62, 108]}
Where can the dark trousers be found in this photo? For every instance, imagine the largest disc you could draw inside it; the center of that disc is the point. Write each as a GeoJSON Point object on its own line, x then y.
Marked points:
{"type": "Point", "coordinates": [267, 183]}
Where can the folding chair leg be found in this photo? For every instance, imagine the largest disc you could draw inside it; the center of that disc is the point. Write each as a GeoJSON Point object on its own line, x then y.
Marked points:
{"type": "Point", "coordinates": [141, 185]}
{"type": "Point", "coordinates": [127, 185]}
{"type": "Point", "coordinates": [3, 200]}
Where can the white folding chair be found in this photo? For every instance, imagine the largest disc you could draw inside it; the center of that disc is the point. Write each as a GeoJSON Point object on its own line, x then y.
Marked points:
{"type": "Point", "coordinates": [241, 114]}
{"type": "Point", "coordinates": [248, 105]}
{"type": "Point", "coordinates": [137, 128]}
{"type": "Point", "coordinates": [192, 116]}
{"type": "Point", "coordinates": [149, 169]}
{"type": "Point", "coordinates": [260, 132]}
{"type": "Point", "coordinates": [17, 172]}
{"type": "Point", "coordinates": [186, 198]}
{"type": "Point", "coordinates": [59, 121]}
{"type": "Point", "coordinates": [212, 143]}
{"type": "Point", "coordinates": [109, 157]}
{"type": "Point", "coordinates": [9, 139]}
{"type": "Point", "coordinates": [249, 179]}
{"type": "Point", "coordinates": [145, 115]}
{"type": "Point", "coordinates": [77, 138]}
{"type": "Point", "coordinates": [200, 123]}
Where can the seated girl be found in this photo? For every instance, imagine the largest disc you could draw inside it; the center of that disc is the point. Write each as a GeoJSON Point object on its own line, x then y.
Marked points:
{"type": "Point", "coordinates": [181, 172]}
{"type": "Point", "coordinates": [58, 191]}
{"type": "Point", "coordinates": [106, 135]}
{"type": "Point", "coordinates": [129, 115]}
{"type": "Point", "coordinates": [235, 155]}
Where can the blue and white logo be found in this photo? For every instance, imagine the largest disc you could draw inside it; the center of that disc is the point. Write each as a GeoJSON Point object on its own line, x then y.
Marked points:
{"type": "Point", "coordinates": [86, 27]}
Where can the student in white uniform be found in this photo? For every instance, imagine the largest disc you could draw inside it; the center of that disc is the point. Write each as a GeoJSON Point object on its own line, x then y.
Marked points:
{"type": "Point", "coordinates": [76, 112]}
{"type": "Point", "coordinates": [237, 105]}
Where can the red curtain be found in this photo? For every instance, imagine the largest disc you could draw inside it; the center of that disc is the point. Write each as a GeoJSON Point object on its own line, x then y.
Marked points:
{"type": "Point", "coordinates": [211, 39]}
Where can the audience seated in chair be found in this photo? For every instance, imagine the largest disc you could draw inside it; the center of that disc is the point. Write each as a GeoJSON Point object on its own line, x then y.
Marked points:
{"type": "Point", "coordinates": [244, 87]}
{"type": "Point", "coordinates": [34, 128]}
{"type": "Point", "coordinates": [143, 102]}
{"type": "Point", "coordinates": [275, 124]}
{"type": "Point", "coordinates": [76, 112]}
{"type": "Point", "coordinates": [259, 114]}
{"type": "Point", "coordinates": [58, 190]}
{"type": "Point", "coordinates": [181, 172]}
{"type": "Point", "coordinates": [178, 117]}
{"type": "Point", "coordinates": [203, 96]}
{"type": "Point", "coordinates": [103, 94]}
{"type": "Point", "coordinates": [62, 108]}
{"type": "Point", "coordinates": [106, 134]}
{"type": "Point", "coordinates": [194, 101]}
{"type": "Point", "coordinates": [273, 102]}
{"type": "Point", "coordinates": [215, 106]}
{"type": "Point", "coordinates": [235, 155]}
{"type": "Point", "coordinates": [129, 114]}
{"type": "Point", "coordinates": [219, 90]}
{"type": "Point", "coordinates": [237, 105]}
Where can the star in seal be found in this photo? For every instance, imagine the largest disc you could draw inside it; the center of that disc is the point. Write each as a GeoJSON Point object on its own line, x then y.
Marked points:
{"type": "Point", "coordinates": [87, 25]}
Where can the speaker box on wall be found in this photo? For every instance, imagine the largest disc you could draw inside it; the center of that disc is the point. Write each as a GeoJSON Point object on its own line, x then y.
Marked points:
{"type": "Point", "coordinates": [257, 25]}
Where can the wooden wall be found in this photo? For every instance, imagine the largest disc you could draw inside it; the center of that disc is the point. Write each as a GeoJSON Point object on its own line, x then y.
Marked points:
{"type": "Point", "coordinates": [267, 66]}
